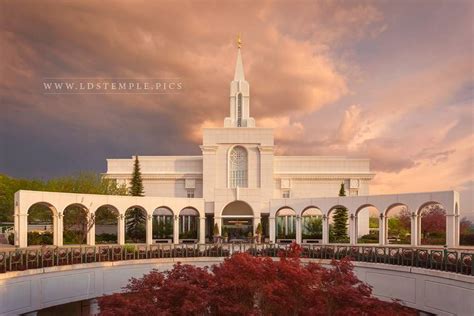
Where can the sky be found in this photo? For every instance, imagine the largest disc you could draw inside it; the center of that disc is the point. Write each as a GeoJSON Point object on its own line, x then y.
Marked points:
{"type": "Point", "coordinates": [387, 80]}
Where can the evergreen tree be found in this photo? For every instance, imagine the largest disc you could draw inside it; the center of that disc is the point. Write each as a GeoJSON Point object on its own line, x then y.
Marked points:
{"type": "Point", "coordinates": [136, 185]}
{"type": "Point", "coordinates": [339, 233]}
{"type": "Point", "coordinates": [136, 217]}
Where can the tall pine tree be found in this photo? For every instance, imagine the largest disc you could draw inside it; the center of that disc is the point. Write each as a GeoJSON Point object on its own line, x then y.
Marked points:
{"type": "Point", "coordinates": [339, 226]}
{"type": "Point", "coordinates": [135, 217]}
{"type": "Point", "coordinates": [136, 185]}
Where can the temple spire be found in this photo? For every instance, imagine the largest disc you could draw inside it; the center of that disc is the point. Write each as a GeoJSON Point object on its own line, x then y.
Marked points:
{"type": "Point", "coordinates": [239, 96]}
{"type": "Point", "coordinates": [239, 66]}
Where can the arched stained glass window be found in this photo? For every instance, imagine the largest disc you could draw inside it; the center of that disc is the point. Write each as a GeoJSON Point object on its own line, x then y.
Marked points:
{"type": "Point", "coordinates": [238, 167]}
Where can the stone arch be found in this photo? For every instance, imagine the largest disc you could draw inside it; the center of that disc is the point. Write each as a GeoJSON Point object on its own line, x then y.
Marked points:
{"type": "Point", "coordinates": [163, 223]}
{"type": "Point", "coordinates": [237, 221]}
{"type": "Point", "coordinates": [106, 224]}
{"type": "Point", "coordinates": [42, 222]}
{"type": "Point", "coordinates": [312, 223]}
{"type": "Point", "coordinates": [189, 223]}
{"type": "Point", "coordinates": [237, 208]}
{"type": "Point", "coordinates": [285, 219]}
{"type": "Point", "coordinates": [333, 236]}
{"type": "Point", "coordinates": [367, 224]}
{"type": "Point", "coordinates": [398, 224]}
{"type": "Point", "coordinates": [135, 224]}
{"type": "Point", "coordinates": [432, 223]}
{"type": "Point", "coordinates": [76, 224]}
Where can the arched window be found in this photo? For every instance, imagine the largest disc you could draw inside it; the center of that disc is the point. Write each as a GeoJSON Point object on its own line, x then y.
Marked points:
{"type": "Point", "coordinates": [239, 110]}
{"type": "Point", "coordinates": [238, 167]}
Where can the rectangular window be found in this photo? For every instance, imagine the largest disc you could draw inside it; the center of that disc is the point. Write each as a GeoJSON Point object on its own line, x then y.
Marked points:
{"type": "Point", "coordinates": [286, 194]}
{"type": "Point", "coordinates": [190, 194]}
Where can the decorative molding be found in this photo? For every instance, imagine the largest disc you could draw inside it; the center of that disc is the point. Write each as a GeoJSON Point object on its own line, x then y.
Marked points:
{"type": "Point", "coordinates": [158, 176]}
{"type": "Point", "coordinates": [322, 176]}
{"type": "Point", "coordinates": [265, 149]}
{"type": "Point", "coordinates": [208, 149]}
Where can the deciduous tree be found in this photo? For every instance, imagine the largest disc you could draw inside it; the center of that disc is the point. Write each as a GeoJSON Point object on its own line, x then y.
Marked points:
{"type": "Point", "coordinates": [247, 285]}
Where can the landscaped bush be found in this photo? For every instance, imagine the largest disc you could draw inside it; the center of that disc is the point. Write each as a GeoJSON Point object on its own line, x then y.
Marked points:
{"type": "Point", "coordinates": [37, 238]}
{"type": "Point", "coordinates": [247, 285]}
{"type": "Point", "coordinates": [371, 238]}
{"type": "Point", "coordinates": [313, 236]}
{"type": "Point", "coordinates": [467, 239]}
{"type": "Point", "coordinates": [72, 237]}
{"type": "Point", "coordinates": [106, 238]}
{"type": "Point", "coordinates": [191, 234]}
{"type": "Point", "coordinates": [287, 236]}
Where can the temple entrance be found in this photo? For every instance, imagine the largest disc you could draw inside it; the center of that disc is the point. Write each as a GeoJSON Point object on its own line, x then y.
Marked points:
{"type": "Point", "coordinates": [237, 222]}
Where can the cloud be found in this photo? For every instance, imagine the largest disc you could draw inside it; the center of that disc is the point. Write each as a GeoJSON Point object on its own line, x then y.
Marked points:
{"type": "Point", "coordinates": [350, 125]}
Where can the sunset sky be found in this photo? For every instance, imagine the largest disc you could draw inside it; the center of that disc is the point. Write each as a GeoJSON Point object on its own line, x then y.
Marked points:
{"type": "Point", "coordinates": [388, 80]}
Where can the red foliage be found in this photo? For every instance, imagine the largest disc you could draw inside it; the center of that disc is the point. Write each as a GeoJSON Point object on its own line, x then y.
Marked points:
{"type": "Point", "coordinates": [433, 220]}
{"type": "Point", "coordinates": [247, 285]}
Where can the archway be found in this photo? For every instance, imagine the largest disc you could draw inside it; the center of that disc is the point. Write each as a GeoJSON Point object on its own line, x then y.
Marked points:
{"type": "Point", "coordinates": [188, 223]}
{"type": "Point", "coordinates": [338, 224]}
{"type": "Point", "coordinates": [106, 225]}
{"type": "Point", "coordinates": [286, 223]}
{"type": "Point", "coordinates": [367, 225]}
{"type": "Point", "coordinates": [398, 225]}
{"type": "Point", "coordinates": [76, 225]}
{"type": "Point", "coordinates": [41, 224]}
{"type": "Point", "coordinates": [432, 224]}
{"type": "Point", "coordinates": [162, 225]}
{"type": "Point", "coordinates": [135, 225]}
{"type": "Point", "coordinates": [312, 224]}
{"type": "Point", "coordinates": [237, 221]}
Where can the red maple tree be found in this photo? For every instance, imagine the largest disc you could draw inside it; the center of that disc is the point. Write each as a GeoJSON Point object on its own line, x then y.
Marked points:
{"type": "Point", "coordinates": [248, 285]}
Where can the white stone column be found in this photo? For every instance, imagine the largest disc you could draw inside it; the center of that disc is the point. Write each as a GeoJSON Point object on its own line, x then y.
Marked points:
{"type": "Point", "coordinates": [121, 229]}
{"type": "Point", "coordinates": [176, 229]}
{"type": "Point", "coordinates": [451, 237]}
{"type": "Point", "coordinates": [91, 232]}
{"type": "Point", "coordinates": [202, 230]}
{"type": "Point", "coordinates": [352, 229]}
{"type": "Point", "coordinates": [16, 219]}
{"type": "Point", "coordinates": [271, 228]}
{"type": "Point", "coordinates": [382, 228]}
{"type": "Point", "coordinates": [298, 230]}
{"type": "Point", "coordinates": [149, 229]}
{"type": "Point", "coordinates": [60, 230]}
{"type": "Point", "coordinates": [325, 229]}
{"type": "Point", "coordinates": [457, 230]}
{"type": "Point", "coordinates": [23, 230]}
{"type": "Point", "coordinates": [415, 225]}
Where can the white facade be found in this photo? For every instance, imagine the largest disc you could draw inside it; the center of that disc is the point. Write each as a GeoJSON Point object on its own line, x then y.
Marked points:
{"type": "Point", "coordinates": [263, 176]}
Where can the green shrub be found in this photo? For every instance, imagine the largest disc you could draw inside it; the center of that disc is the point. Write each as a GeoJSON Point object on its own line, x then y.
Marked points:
{"type": "Point", "coordinates": [105, 238]}
{"type": "Point", "coordinates": [37, 238]}
{"type": "Point", "coordinates": [129, 248]}
{"type": "Point", "coordinates": [371, 238]}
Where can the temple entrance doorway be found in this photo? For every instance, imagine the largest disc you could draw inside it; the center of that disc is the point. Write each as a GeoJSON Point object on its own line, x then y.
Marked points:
{"type": "Point", "coordinates": [237, 222]}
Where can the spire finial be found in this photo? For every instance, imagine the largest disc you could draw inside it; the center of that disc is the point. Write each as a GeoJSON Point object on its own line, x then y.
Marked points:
{"type": "Point", "coordinates": [239, 41]}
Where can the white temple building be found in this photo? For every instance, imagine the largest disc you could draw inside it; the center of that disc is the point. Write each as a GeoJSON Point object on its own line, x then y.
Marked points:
{"type": "Point", "coordinates": [238, 164]}
{"type": "Point", "coordinates": [236, 184]}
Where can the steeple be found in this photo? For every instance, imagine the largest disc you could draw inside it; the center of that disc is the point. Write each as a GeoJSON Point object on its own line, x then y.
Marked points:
{"type": "Point", "coordinates": [239, 96]}
{"type": "Point", "coordinates": [239, 68]}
